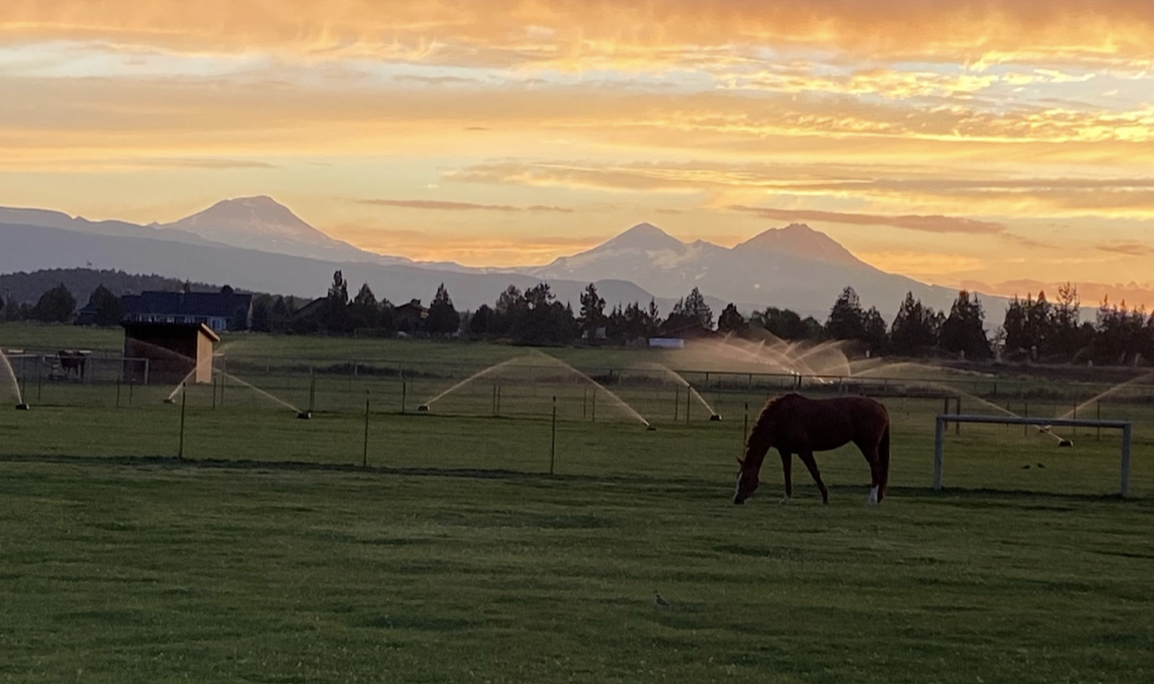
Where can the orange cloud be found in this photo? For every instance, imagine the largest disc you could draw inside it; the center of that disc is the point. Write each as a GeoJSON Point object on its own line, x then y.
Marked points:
{"type": "Point", "coordinates": [924, 224]}
{"type": "Point", "coordinates": [438, 205]}
{"type": "Point", "coordinates": [1091, 294]}
{"type": "Point", "coordinates": [526, 31]}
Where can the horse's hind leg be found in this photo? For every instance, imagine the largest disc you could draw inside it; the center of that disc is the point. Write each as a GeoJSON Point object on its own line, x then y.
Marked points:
{"type": "Point", "coordinates": [871, 456]}
{"type": "Point", "coordinates": [807, 459]}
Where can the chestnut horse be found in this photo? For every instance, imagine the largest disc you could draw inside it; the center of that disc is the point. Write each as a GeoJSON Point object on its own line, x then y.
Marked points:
{"type": "Point", "coordinates": [797, 425]}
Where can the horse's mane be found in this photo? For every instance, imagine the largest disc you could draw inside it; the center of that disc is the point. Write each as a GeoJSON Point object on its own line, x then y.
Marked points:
{"type": "Point", "coordinates": [772, 408]}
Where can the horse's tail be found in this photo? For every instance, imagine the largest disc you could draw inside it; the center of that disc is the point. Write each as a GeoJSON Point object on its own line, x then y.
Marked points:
{"type": "Point", "coordinates": [884, 461]}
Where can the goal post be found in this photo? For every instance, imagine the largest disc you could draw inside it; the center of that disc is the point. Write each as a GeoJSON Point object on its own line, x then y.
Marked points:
{"type": "Point", "coordinates": [943, 419]}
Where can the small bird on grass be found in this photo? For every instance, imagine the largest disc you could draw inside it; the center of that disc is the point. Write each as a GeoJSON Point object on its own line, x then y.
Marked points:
{"type": "Point", "coordinates": [658, 601]}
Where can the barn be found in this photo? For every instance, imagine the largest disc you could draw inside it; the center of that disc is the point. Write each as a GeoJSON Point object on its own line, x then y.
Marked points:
{"type": "Point", "coordinates": [173, 351]}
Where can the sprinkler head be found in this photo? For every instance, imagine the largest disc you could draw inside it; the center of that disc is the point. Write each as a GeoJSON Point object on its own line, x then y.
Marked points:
{"type": "Point", "coordinates": [170, 400]}
{"type": "Point", "coordinates": [23, 407]}
{"type": "Point", "coordinates": [305, 415]}
{"type": "Point", "coordinates": [423, 408]}
{"type": "Point", "coordinates": [650, 428]}
{"type": "Point", "coordinates": [1066, 444]}
{"type": "Point", "coordinates": [715, 418]}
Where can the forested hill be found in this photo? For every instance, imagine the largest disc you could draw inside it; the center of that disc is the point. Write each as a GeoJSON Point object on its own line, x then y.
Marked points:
{"type": "Point", "coordinates": [26, 288]}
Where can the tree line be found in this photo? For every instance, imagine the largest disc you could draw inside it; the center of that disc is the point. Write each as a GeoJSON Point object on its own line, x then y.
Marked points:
{"type": "Point", "coordinates": [1034, 329]}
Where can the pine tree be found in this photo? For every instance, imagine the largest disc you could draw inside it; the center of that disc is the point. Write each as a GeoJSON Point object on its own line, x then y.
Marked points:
{"type": "Point", "coordinates": [443, 317]}
{"type": "Point", "coordinates": [846, 318]}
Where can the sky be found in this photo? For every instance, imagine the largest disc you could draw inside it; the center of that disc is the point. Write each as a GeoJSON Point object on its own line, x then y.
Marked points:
{"type": "Point", "coordinates": [998, 145]}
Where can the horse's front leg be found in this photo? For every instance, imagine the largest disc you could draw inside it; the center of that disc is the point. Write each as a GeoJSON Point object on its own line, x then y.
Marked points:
{"type": "Point", "coordinates": [807, 459]}
{"type": "Point", "coordinates": [786, 470]}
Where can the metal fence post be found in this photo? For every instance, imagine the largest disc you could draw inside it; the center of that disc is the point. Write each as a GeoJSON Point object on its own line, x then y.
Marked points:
{"type": "Point", "coordinates": [939, 444]}
{"type": "Point", "coordinates": [1127, 431]}
{"type": "Point", "coordinates": [553, 442]}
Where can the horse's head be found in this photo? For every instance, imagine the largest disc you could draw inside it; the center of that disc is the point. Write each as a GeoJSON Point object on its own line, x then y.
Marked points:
{"type": "Point", "coordinates": [747, 480]}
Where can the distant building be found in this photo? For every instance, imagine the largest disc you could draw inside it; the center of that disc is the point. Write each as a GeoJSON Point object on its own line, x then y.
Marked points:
{"type": "Point", "coordinates": [219, 311]}
{"type": "Point", "coordinates": [411, 317]}
{"type": "Point", "coordinates": [173, 352]}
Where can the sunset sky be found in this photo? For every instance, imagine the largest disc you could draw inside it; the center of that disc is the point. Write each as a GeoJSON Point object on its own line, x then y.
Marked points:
{"type": "Point", "coordinates": [1002, 145]}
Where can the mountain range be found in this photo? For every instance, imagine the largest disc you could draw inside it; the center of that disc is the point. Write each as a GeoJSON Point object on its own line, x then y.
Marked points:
{"type": "Point", "coordinates": [258, 244]}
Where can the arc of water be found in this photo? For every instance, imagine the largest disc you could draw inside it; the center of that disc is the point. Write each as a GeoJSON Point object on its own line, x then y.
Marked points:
{"type": "Point", "coordinates": [955, 391]}
{"type": "Point", "coordinates": [629, 410]}
{"type": "Point", "coordinates": [677, 377]}
{"type": "Point", "coordinates": [10, 376]}
{"type": "Point", "coordinates": [196, 365]}
{"type": "Point", "coordinates": [1080, 408]}
{"type": "Point", "coordinates": [474, 377]}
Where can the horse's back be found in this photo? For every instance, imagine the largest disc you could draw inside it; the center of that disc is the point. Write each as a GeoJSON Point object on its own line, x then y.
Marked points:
{"type": "Point", "coordinates": [832, 423]}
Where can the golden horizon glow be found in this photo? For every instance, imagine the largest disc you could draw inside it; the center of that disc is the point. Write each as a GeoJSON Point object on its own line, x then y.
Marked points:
{"type": "Point", "coordinates": [998, 144]}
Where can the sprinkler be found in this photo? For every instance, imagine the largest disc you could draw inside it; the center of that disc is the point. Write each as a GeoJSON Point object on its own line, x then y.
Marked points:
{"type": "Point", "coordinates": [423, 408]}
{"type": "Point", "coordinates": [305, 415]}
{"type": "Point", "coordinates": [650, 428]}
{"type": "Point", "coordinates": [1066, 444]}
{"type": "Point", "coordinates": [23, 407]}
{"type": "Point", "coordinates": [715, 418]}
{"type": "Point", "coordinates": [170, 400]}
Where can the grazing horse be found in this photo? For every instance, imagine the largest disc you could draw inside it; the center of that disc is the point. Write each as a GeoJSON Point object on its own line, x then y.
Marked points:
{"type": "Point", "coordinates": [797, 425]}
{"type": "Point", "coordinates": [73, 361]}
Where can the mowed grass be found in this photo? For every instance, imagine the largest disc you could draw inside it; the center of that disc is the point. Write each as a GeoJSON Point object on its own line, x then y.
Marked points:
{"type": "Point", "coordinates": [280, 550]}
{"type": "Point", "coordinates": [270, 555]}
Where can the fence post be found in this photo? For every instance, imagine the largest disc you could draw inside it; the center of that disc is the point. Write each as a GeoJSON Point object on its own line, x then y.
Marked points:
{"type": "Point", "coordinates": [183, 403]}
{"type": "Point", "coordinates": [676, 404]}
{"type": "Point", "coordinates": [365, 458]}
{"type": "Point", "coordinates": [593, 406]}
{"type": "Point", "coordinates": [1126, 435]}
{"type": "Point", "coordinates": [957, 412]}
{"type": "Point", "coordinates": [118, 391]}
{"type": "Point", "coordinates": [688, 396]}
{"type": "Point", "coordinates": [404, 393]}
{"type": "Point", "coordinates": [39, 382]}
{"type": "Point", "coordinates": [553, 442]}
{"type": "Point", "coordinates": [1026, 414]}
{"type": "Point", "coordinates": [939, 444]}
{"type": "Point", "coordinates": [1099, 418]}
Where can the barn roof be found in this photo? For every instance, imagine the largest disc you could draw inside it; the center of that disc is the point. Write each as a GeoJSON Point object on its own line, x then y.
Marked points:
{"type": "Point", "coordinates": [132, 329]}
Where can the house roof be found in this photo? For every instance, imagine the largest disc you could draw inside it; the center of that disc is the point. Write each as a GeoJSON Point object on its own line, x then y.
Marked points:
{"type": "Point", "coordinates": [215, 304]}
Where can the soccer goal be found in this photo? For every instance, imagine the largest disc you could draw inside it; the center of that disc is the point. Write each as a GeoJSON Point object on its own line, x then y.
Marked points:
{"type": "Point", "coordinates": [943, 419]}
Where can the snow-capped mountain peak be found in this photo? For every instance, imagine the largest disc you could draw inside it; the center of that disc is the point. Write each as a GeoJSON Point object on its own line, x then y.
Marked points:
{"type": "Point", "coordinates": [263, 223]}
{"type": "Point", "coordinates": [798, 239]}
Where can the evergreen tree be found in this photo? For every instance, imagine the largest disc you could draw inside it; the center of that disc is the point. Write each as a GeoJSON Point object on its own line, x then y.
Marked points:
{"type": "Point", "coordinates": [874, 332]}
{"type": "Point", "coordinates": [108, 309]}
{"type": "Point", "coordinates": [913, 330]}
{"type": "Point", "coordinates": [262, 314]}
{"type": "Point", "coordinates": [592, 312]}
{"type": "Point", "coordinates": [335, 315]}
{"type": "Point", "coordinates": [443, 317]}
{"type": "Point", "coordinates": [963, 331]}
{"type": "Point", "coordinates": [364, 310]}
{"type": "Point", "coordinates": [731, 320]}
{"type": "Point", "coordinates": [55, 306]}
{"type": "Point", "coordinates": [481, 320]}
{"type": "Point", "coordinates": [846, 319]}
{"type": "Point", "coordinates": [697, 310]}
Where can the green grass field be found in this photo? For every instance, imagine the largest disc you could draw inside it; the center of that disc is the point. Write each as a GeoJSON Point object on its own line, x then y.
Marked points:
{"type": "Point", "coordinates": [270, 554]}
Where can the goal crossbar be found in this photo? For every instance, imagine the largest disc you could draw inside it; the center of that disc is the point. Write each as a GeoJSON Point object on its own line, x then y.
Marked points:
{"type": "Point", "coordinates": [943, 419]}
